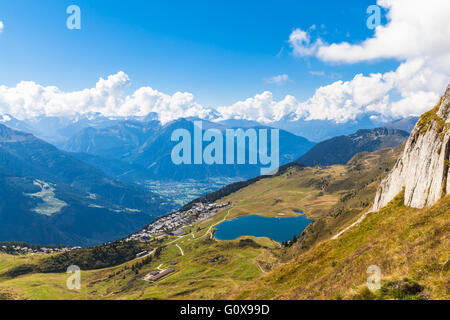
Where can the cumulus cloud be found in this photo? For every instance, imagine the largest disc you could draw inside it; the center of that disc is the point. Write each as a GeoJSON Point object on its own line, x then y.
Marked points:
{"type": "Point", "coordinates": [417, 35]}
{"type": "Point", "coordinates": [2, 26]}
{"type": "Point", "coordinates": [300, 42]}
{"type": "Point", "coordinates": [340, 101]}
{"type": "Point", "coordinates": [262, 108]}
{"type": "Point", "coordinates": [415, 29]}
{"type": "Point", "coordinates": [29, 99]}
{"type": "Point", "coordinates": [280, 79]}
{"type": "Point", "coordinates": [168, 107]}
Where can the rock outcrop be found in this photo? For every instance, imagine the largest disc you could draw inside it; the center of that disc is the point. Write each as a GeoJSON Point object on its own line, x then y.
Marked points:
{"type": "Point", "coordinates": [423, 169]}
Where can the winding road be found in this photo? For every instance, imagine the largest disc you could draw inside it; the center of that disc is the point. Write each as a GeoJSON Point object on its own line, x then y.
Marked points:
{"type": "Point", "coordinates": [181, 250]}
{"type": "Point", "coordinates": [212, 226]}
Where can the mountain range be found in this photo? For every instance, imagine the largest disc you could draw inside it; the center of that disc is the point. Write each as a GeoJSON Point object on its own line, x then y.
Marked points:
{"type": "Point", "coordinates": [340, 150]}
{"type": "Point", "coordinates": [88, 193]}
{"type": "Point", "coordinates": [58, 192]}
{"type": "Point", "coordinates": [52, 196]}
{"type": "Point", "coordinates": [142, 150]}
{"type": "Point", "coordinates": [58, 130]}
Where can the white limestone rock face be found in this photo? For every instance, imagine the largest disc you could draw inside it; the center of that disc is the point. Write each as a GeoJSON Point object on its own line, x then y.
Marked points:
{"type": "Point", "coordinates": [423, 169]}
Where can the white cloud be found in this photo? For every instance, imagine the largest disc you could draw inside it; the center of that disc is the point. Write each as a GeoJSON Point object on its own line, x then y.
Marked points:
{"type": "Point", "coordinates": [340, 101]}
{"type": "Point", "coordinates": [260, 108]}
{"type": "Point", "coordinates": [146, 100]}
{"type": "Point", "coordinates": [416, 28]}
{"type": "Point", "coordinates": [2, 26]}
{"type": "Point", "coordinates": [343, 101]}
{"type": "Point", "coordinates": [29, 99]}
{"type": "Point", "coordinates": [280, 79]}
{"type": "Point", "coordinates": [417, 35]}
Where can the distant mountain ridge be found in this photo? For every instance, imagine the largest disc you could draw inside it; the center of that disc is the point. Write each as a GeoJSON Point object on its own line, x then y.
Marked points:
{"type": "Point", "coordinates": [405, 124]}
{"type": "Point", "coordinates": [59, 129]}
{"type": "Point", "coordinates": [116, 141]}
{"type": "Point", "coordinates": [50, 197]}
{"type": "Point", "coordinates": [340, 150]}
{"type": "Point", "coordinates": [144, 151]}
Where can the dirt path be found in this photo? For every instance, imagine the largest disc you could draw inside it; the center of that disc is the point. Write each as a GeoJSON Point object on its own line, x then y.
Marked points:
{"type": "Point", "coordinates": [350, 226]}
{"type": "Point", "coordinates": [260, 268]}
{"type": "Point", "coordinates": [180, 237]}
{"type": "Point", "coordinates": [212, 226]}
{"type": "Point", "coordinates": [193, 237]}
{"type": "Point", "coordinates": [181, 250]}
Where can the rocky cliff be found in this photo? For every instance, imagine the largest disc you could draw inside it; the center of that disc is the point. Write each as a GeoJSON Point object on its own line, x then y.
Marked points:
{"type": "Point", "coordinates": [423, 168]}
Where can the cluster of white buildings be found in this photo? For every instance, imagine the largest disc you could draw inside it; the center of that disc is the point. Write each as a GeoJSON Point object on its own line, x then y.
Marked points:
{"type": "Point", "coordinates": [205, 211]}
{"type": "Point", "coordinates": [173, 224]}
{"type": "Point", "coordinates": [43, 250]}
{"type": "Point", "coordinates": [170, 225]}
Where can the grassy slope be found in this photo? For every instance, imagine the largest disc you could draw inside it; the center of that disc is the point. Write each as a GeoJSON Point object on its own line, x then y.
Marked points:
{"type": "Point", "coordinates": [402, 241]}
{"type": "Point", "coordinates": [209, 269]}
{"type": "Point", "coordinates": [314, 191]}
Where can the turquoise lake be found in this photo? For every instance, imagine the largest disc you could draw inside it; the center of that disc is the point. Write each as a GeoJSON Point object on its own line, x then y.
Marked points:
{"type": "Point", "coordinates": [278, 229]}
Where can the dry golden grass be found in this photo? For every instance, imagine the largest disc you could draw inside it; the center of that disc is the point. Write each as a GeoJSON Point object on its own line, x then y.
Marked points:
{"type": "Point", "coordinates": [402, 241]}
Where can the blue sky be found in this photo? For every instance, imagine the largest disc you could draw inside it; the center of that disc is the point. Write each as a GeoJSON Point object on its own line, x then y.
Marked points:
{"type": "Point", "coordinates": [221, 51]}
{"type": "Point", "coordinates": [221, 54]}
